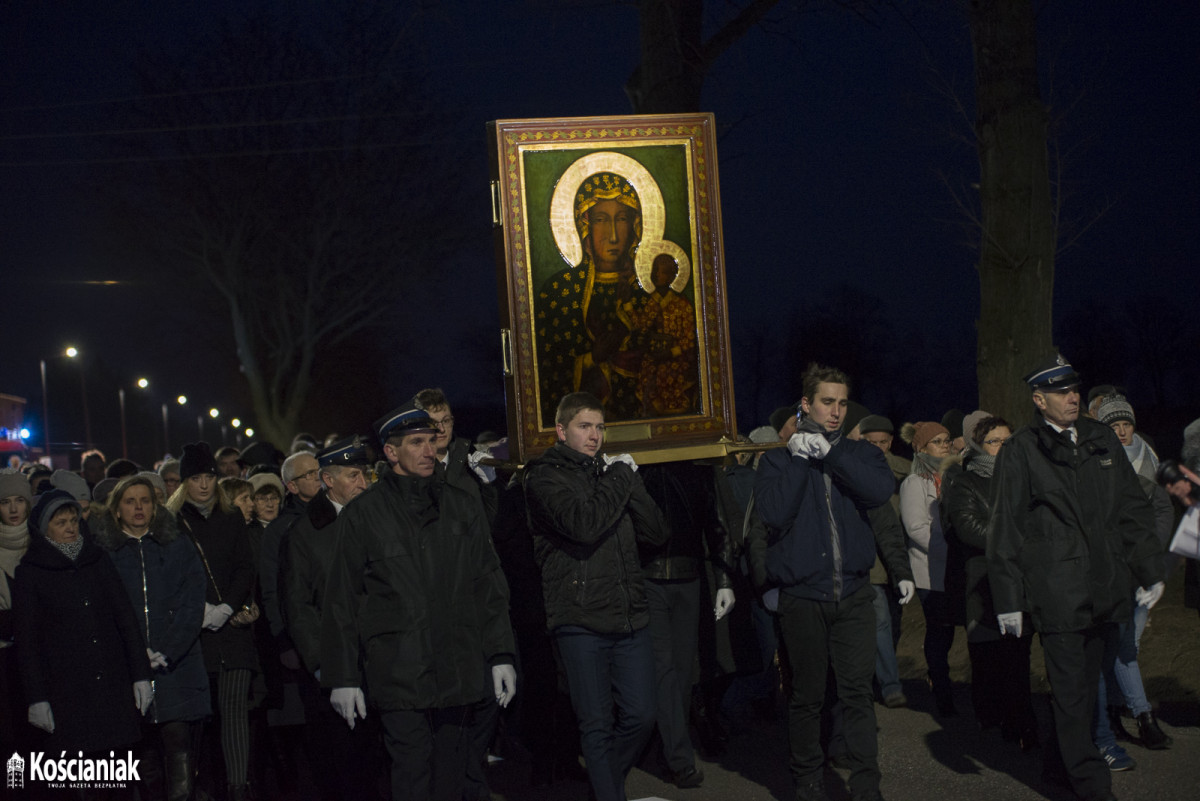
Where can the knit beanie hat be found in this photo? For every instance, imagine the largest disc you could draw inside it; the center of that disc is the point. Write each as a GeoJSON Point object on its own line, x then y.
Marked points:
{"type": "Point", "coordinates": [953, 421]}
{"type": "Point", "coordinates": [971, 421]}
{"type": "Point", "coordinates": [921, 433]}
{"type": "Point", "coordinates": [72, 483]}
{"type": "Point", "coordinates": [13, 482]}
{"type": "Point", "coordinates": [155, 479]}
{"type": "Point", "coordinates": [197, 458]}
{"type": "Point", "coordinates": [48, 503]}
{"type": "Point", "coordinates": [103, 489]}
{"type": "Point", "coordinates": [875, 422]}
{"type": "Point", "coordinates": [764, 435]}
{"type": "Point", "coordinates": [1113, 408]}
{"type": "Point", "coordinates": [1190, 455]}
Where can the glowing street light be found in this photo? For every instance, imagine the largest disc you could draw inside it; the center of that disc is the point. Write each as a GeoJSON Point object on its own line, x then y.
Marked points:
{"type": "Point", "coordinates": [236, 423]}
{"type": "Point", "coordinates": [181, 400]}
{"type": "Point", "coordinates": [71, 353]}
{"type": "Point", "coordinates": [249, 432]}
{"type": "Point", "coordinates": [214, 413]}
{"type": "Point", "coordinates": [143, 383]}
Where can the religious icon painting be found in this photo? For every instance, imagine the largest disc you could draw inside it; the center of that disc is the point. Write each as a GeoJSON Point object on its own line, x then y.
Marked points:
{"type": "Point", "coordinates": [612, 279]}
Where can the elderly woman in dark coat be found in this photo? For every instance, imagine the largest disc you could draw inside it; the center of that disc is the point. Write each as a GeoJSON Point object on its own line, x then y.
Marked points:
{"type": "Point", "coordinates": [82, 657]}
{"type": "Point", "coordinates": [165, 580]}
{"type": "Point", "coordinates": [219, 535]}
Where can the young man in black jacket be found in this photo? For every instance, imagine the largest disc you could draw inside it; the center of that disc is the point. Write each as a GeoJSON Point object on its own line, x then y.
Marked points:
{"type": "Point", "coordinates": [814, 496]}
{"type": "Point", "coordinates": [587, 513]}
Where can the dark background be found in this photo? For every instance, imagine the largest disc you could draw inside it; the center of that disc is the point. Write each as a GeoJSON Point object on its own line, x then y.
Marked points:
{"type": "Point", "coordinates": [839, 149]}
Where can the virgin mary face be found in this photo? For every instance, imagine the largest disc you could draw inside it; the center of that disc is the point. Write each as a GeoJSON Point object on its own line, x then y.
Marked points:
{"type": "Point", "coordinates": [611, 226]}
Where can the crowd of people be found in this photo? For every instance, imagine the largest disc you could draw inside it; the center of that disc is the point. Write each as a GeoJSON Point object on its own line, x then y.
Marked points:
{"type": "Point", "coordinates": [389, 609]}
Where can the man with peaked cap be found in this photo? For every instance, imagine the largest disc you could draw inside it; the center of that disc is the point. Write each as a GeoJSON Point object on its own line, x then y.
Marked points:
{"type": "Point", "coordinates": [1071, 536]}
{"type": "Point", "coordinates": [415, 595]}
{"type": "Point", "coordinates": [339, 755]}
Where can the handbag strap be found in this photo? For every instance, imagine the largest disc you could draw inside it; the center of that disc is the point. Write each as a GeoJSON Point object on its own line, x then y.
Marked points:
{"type": "Point", "coordinates": [203, 558]}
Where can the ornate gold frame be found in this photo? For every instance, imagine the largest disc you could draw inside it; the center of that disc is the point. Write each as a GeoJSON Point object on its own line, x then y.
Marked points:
{"type": "Point", "coordinates": [671, 162]}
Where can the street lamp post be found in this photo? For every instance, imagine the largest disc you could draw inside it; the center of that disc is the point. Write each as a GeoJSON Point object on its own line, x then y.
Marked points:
{"type": "Point", "coordinates": [45, 414]}
{"type": "Point", "coordinates": [73, 353]}
{"type": "Point", "coordinates": [124, 440]}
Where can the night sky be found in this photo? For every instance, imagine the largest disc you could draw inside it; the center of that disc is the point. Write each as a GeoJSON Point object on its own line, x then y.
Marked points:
{"type": "Point", "coordinates": [836, 147]}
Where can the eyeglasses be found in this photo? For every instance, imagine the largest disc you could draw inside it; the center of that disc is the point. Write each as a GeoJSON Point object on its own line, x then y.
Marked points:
{"type": "Point", "coordinates": [311, 474]}
{"type": "Point", "coordinates": [995, 441]}
{"type": "Point", "coordinates": [448, 420]}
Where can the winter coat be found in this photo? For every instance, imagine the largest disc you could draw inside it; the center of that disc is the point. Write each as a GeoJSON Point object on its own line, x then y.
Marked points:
{"type": "Point", "coordinates": [1071, 531]}
{"type": "Point", "coordinates": [923, 525]}
{"type": "Point", "coordinates": [587, 521]}
{"type": "Point", "coordinates": [800, 554]}
{"type": "Point", "coordinates": [686, 494]}
{"type": "Point", "coordinates": [416, 596]}
{"type": "Point", "coordinates": [304, 562]}
{"type": "Point", "coordinates": [966, 511]}
{"type": "Point", "coordinates": [79, 646]}
{"type": "Point", "coordinates": [224, 548]}
{"type": "Point", "coordinates": [164, 579]}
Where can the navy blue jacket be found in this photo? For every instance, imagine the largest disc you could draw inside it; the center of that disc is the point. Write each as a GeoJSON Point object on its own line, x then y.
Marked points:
{"type": "Point", "coordinates": [791, 500]}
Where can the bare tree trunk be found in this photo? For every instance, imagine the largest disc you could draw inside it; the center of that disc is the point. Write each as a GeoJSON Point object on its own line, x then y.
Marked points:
{"type": "Point", "coordinates": [1016, 262]}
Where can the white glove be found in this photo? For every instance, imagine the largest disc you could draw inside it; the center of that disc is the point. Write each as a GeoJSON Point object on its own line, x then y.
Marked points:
{"type": "Point", "coordinates": [1149, 596]}
{"type": "Point", "coordinates": [723, 602]}
{"type": "Point", "coordinates": [157, 660]}
{"type": "Point", "coordinates": [907, 590]}
{"type": "Point", "coordinates": [349, 702]}
{"type": "Point", "coordinates": [771, 599]}
{"type": "Point", "coordinates": [504, 682]}
{"type": "Point", "coordinates": [807, 444]}
{"type": "Point", "coordinates": [215, 616]}
{"type": "Point", "coordinates": [143, 694]}
{"type": "Point", "coordinates": [41, 716]}
{"type": "Point", "coordinates": [486, 474]}
{"type": "Point", "coordinates": [1010, 623]}
{"type": "Point", "coordinates": [610, 460]}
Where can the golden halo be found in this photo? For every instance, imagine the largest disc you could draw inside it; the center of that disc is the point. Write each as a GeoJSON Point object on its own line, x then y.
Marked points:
{"type": "Point", "coordinates": [562, 203]}
{"type": "Point", "coordinates": [644, 263]}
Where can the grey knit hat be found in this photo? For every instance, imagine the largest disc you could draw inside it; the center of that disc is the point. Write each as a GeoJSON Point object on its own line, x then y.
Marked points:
{"type": "Point", "coordinates": [155, 479]}
{"type": "Point", "coordinates": [72, 483]}
{"type": "Point", "coordinates": [48, 504]}
{"type": "Point", "coordinates": [14, 482]}
{"type": "Point", "coordinates": [1114, 408]}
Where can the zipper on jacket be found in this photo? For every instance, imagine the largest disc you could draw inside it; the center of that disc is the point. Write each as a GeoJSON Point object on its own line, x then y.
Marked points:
{"type": "Point", "coordinates": [835, 545]}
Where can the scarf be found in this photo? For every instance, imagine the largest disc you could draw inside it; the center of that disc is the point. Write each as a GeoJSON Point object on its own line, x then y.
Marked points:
{"type": "Point", "coordinates": [981, 464]}
{"type": "Point", "coordinates": [207, 508]}
{"type": "Point", "coordinates": [808, 426]}
{"type": "Point", "coordinates": [14, 541]}
{"type": "Point", "coordinates": [1143, 458]}
{"type": "Point", "coordinates": [928, 467]}
{"type": "Point", "coordinates": [70, 550]}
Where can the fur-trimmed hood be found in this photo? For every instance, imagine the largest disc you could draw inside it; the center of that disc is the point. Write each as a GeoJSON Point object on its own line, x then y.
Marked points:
{"type": "Point", "coordinates": [109, 536]}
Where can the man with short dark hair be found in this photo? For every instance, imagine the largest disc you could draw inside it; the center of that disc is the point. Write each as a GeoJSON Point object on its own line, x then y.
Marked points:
{"type": "Point", "coordinates": [1071, 532]}
{"type": "Point", "coordinates": [229, 462]}
{"type": "Point", "coordinates": [813, 497]}
{"type": "Point", "coordinates": [416, 606]}
{"type": "Point", "coordinates": [588, 513]}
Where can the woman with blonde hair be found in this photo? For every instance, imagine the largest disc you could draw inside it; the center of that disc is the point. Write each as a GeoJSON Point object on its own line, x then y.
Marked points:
{"type": "Point", "coordinates": [165, 580]}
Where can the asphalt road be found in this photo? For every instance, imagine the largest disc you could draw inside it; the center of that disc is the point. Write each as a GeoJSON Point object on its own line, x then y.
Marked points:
{"type": "Point", "coordinates": [922, 758]}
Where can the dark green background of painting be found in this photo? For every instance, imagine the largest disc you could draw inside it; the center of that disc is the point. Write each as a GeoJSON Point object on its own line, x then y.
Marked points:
{"type": "Point", "coordinates": [666, 163]}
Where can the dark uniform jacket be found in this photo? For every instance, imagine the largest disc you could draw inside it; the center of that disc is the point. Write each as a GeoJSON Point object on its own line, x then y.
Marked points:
{"type": "Point", "coordinates": [587, 522]}
{"type": "Point", "coordinates": [164, 580]}
{"type": "Point", "coordinates": [803, 554]}
{"type": "Point", "coordinates": [78, 646]}
{"type": "Point", "coordinates": [1072, 532]}
{"type": "Point", "coordinates": [416, 596]}
{"type": "Point", "coordinates": [687, 495]}
{"type": "Point", "coordinates": [303, 573]}
{"type": "Point", "coordinates": [966, 511]}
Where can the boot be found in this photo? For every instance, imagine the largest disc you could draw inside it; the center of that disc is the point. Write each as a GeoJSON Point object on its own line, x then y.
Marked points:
{"type": "Point", "coordinates": [179, 776]}
{"type": "Point", "coordinates": [1117, 725]}
{"type": "Point", "coordinates": [1152, 736]}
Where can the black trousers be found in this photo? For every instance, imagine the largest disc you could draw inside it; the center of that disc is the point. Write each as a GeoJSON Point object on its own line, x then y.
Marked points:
{"type": "Point", "coordinates": [429, 749]}
{"type": "Point", "coordinates": [674, 628]}
{"type": "Point", "coordinates": [839, 636]}
{"type": "Point", "coordinates": [1073, 668]}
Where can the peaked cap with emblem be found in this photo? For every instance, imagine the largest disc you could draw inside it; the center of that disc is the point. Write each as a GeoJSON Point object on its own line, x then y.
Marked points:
{"type": "Point", "coordinates": [1053, 375]}
{"type": "Point", "coordinates": [350, 451]}
{"type": "Point", "coordinates": [408, 419]}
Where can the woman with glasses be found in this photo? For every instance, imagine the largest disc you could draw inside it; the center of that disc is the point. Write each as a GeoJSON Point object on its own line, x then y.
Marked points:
{"type": "Point", "coordinates": [999, 665]}
{"type": "Point", "coordinates": [920, 496]}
